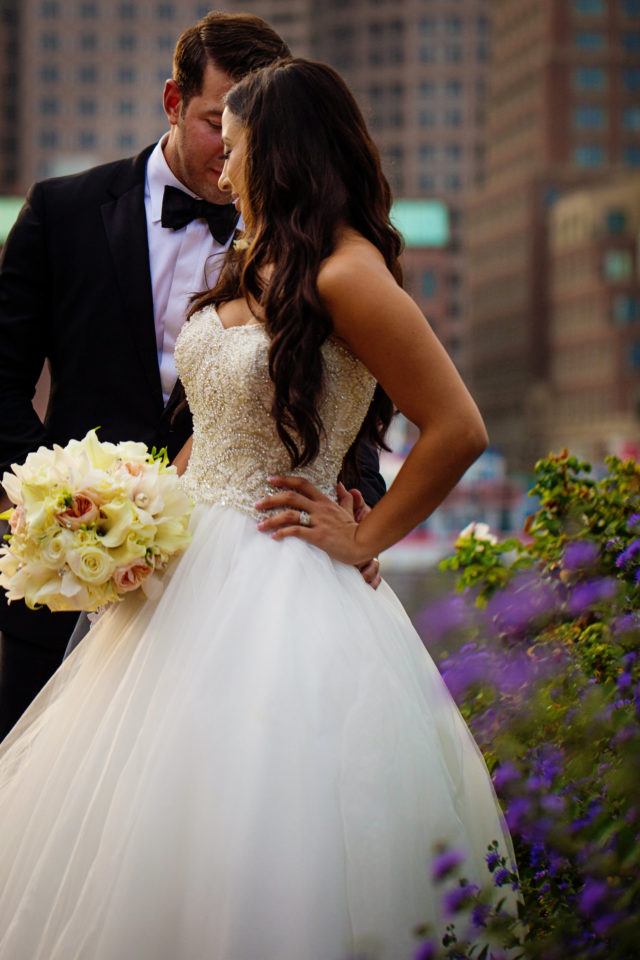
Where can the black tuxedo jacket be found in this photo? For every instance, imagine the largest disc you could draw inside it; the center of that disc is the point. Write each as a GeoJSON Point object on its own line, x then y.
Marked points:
{"type": "Point", "coordinates": [75, 288]}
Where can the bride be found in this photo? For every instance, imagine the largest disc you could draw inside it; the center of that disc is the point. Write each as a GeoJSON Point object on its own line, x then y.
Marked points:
{"type": "Point", "coordinates": [260, 765]}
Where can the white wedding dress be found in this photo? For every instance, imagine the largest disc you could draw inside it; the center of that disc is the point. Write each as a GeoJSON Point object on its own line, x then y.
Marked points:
{"type": "Point", "coordinates": [257, 766]}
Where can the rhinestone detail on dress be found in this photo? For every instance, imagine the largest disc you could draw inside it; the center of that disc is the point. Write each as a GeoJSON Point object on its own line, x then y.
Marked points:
{"type": "Point", "coordinates": [235, 443]}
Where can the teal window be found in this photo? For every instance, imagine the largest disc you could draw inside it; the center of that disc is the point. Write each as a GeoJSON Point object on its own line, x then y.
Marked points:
{"type": "Point", "coordinates": [632, 155]}
{"type": "Point", "coordinates": [429, 284]}
{"type": "Point", "coordinates": [49, 41]}
{"type": "Point", "coordinates": [617, 264]}
{"type": "Point", "coordinates": [48, 138]}
{"type": "Point", "coordinates": [589, 155]}
{"type": "Point", "coordinates": [625, 310]}
{"type": "Point", "coordinates": [631, 79]}
{"type": "Point", "coordinates": [631, 8]}
{"type": "Point", "coordinates": [589, 41]}
{"type": "Point", "coordinates": [631, 42]}
{"type": "Point", "coordinates": [616, 221]}
{"type": "Point", "coordinates": [589, 117]}
{"type": "Point", "coordinates": [49, 74]}
{"type": "Point", "coordinates": [589, 78]}
{"type": "Point", "coordinates": [634, 356]}
{"type": "Point", "coordinates": [590, 8]}
{"type": "Point", "coordinates": [631, 118]}
{"type": "Point", "coordinates": [88, 74]}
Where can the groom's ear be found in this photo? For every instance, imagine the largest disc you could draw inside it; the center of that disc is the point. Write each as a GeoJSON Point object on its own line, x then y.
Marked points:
{"type": "Point", "coordinates": [172, 101]}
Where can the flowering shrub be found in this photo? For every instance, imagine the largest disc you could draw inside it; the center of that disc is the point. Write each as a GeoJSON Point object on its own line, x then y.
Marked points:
{"type": "Point", "coordinates": [541, 648]}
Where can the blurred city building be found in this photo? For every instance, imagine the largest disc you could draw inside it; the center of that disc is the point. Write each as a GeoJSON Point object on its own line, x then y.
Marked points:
{"type": "Point", "coordinates": [83, 82]}
{"type": "Point", "coordinates": [562, 113]}
{"type": "Point", "coordinates": [594, 320]}
{"type": "Point", "coordinates": [419, 72]}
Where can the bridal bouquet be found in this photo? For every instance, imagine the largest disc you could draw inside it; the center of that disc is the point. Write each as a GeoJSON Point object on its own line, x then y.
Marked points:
{"type": "Point", "coordinates": [92, 522]}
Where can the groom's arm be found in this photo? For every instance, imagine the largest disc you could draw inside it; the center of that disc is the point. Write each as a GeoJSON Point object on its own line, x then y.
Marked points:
{"type": "Point", "coordinates": [24, 295]}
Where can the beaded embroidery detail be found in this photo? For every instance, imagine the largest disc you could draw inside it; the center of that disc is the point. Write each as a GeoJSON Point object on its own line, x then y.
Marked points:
{"type": "Point", "coordinates": [236, 446]}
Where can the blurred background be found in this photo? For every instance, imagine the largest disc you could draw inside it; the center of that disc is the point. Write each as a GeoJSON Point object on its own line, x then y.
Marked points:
{"type": "Point", "coordinates": [510, 132]}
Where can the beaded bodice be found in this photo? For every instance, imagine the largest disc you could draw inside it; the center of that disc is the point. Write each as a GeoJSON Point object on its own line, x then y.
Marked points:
{"type": "Point", "coordinates": [236, 447]}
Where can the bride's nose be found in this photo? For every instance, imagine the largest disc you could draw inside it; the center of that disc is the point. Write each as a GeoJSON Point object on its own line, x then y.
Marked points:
{"type": "Point", "coordinates": [223, 182]}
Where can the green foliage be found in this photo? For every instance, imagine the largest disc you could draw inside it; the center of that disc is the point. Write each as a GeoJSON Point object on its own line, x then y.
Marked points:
{"type": "Point", "coordinates": [544, 658]}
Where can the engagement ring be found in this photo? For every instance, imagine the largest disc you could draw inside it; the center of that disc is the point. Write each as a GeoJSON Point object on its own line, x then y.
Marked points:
{"type": "Point", "coordinates": [304, 519]}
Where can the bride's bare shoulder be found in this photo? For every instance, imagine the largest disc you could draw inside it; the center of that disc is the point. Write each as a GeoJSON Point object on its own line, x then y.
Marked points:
{"type": "Point", "coordinates": [354, 261]}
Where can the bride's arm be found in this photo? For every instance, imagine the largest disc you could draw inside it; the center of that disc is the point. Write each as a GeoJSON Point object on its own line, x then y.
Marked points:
{"type": "Point", "coordinates": [383, 326]}
{"type": "Point", "coordinates": [181, 460]}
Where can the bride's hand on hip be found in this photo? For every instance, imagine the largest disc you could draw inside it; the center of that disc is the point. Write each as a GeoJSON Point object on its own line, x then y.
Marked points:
{"type": "Point", "coordinates": [306, 513]}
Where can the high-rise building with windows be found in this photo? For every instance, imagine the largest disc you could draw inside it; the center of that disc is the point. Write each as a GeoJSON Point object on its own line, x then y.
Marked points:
{"type": "Point", "coordinates": [89, 76]}
{"type": "Point", "coordinates": [562, 112]}
{"type": "Point", "coordinates": [594, 320]}
{"type": "Point", "coordinates": [9, 140]}
{"type": "Point", "coordinates": [419, 71]}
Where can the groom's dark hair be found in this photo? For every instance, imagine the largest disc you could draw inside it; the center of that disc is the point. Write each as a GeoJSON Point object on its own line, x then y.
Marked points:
{"type": "Point", "coordinates": [236, 43]}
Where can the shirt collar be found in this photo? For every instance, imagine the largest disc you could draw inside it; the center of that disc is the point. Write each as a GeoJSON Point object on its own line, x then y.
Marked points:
{"type": "Point", "coordinates": [159, 176]}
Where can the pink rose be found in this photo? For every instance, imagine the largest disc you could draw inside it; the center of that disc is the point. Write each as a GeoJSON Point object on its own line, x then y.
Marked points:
{"type": "Point", "coordinates": [17, 520]}
{"type": "Point", "coordinates": [82, 510]}
{"type": "Point", "coordinates": [130, 576]}
{"type": "Point", "coordinates": [132, 468]}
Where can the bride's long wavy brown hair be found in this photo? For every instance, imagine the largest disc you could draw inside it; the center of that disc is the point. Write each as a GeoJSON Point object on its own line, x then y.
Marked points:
{"type": "Point", "coordinates": [310, 169]}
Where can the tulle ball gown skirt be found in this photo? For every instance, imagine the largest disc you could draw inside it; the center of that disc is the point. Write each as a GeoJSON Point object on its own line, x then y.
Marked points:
{"type": "Point", "coordinates": [257, 766]}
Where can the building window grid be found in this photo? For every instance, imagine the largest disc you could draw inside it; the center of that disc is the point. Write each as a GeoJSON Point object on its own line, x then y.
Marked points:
{"type": "Point", "coordinates": [589, 41]}
{"type": "Point", "coordinates": [631, 42]}
{"type": "Point", "coordinates": [589, 117]}
{"type": "Point", "coordinates": [49, 42]}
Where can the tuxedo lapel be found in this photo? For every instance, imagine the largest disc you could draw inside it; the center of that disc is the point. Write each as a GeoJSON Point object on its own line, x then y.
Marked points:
{"type": "Point", "coordinates": [126, 227]}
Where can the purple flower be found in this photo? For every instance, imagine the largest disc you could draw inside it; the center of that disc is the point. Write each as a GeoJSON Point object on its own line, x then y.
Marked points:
{"type": "Point", "coordinates": [446, 862]}
{"type": "Point", "coordinates": [493, 860]}
{"type": "Point", "coordinates": [426, 951]}
{"type": "Point", "coordinates": [580, 554]}
{"type": "Point", "coordinates": [505, 774]}
{"type": "Point", "coordinates": [590, 592]}
{"type": "Point", "coordinates": [628, 554]}
{"type": "Point", "coordinates": [517, 812]}
{"type": "Point", "coordinates": [624, 680]}
{"type": "Point", "coordinates": [456, 899]}
{"type": "Point", "coordinates": [603, 924]}
{"type": "Point", "coordinates": [592, 896]}
{"type": "Point", "coordinates": [501, 877]}
{"type": "Point", "coordinates": [442, 616]}
{"type": "Point", "coordinates": [633, 520]}
{"type": "Point", "coordinates": [479, 915]}
{"type": "Point", "coordinates": [526, 597]}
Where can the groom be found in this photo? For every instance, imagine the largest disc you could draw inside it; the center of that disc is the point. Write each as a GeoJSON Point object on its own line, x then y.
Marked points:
{"type": "Point", "coordinates": [95, 277]}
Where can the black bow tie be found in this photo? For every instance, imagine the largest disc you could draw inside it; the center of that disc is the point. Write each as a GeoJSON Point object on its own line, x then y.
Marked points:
{"type": "Point", "coordinates": [179, 209]}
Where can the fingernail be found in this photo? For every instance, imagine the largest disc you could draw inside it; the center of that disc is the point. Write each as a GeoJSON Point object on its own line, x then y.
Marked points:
{"type": "Point", "coordinates": [261, 525]}
{"type": "Point", "coordinates": [273, 479]}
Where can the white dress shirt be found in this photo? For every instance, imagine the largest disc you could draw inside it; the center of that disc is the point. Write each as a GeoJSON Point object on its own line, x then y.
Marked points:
{"type": "Point", "coordinates": [183, 262]}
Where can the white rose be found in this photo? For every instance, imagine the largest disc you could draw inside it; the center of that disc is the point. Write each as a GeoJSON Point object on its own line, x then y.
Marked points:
{"type": "Point", "coordinates": [91, 564]}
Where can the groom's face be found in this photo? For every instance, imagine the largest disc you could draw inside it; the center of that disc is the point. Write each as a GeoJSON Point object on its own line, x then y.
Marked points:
{"type": "Point", "coordinates": [194, 150]}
